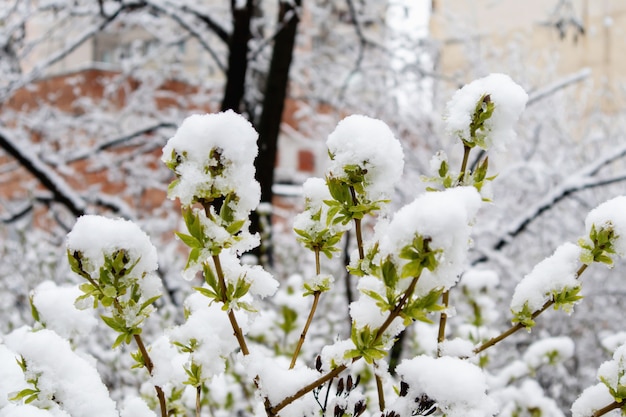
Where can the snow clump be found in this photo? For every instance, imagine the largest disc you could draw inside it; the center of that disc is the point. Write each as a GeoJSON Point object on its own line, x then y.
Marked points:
{"type": "Point", "coordinates": [508, 100]}
{"type": "Point", "coordinates": [591, 400]}
{"type": "Point", "coordinates": [613, 373]}
{"type": "Point", "coordinates": [610, 215]}
{"type": "Point", "coordinates": [445, 218]}
{"type": "Point", "coordinates": [367, 145]}
{"type": "Point", "coordinates": [549, 277]}
{"type": "Point", "coordinates": [97, 237]}
{"type": "Point", "coordinates": [56, 310]}
{"type": "Point", "coordinates": [549, 351]}
{"type": "Point", "coordinates": [213, 155]}
{"type": "Point", "coordinates": [65, 380]}
{"type": "Point", "coordinates": [455, 385]}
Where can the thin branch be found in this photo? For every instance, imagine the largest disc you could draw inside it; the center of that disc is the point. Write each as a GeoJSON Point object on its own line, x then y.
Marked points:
{"type": "Point", "coordinates": [13, 217]}
{"type": "Point", "coordinates": [60, 190]}
{"type": "Point", "coordinates": [211, 23]}
{"type": "Point", "coordinates": [613, 406]}
{"type": "Point", "coordinates": [363, 42]}
{"type": "Point", "coordinates": [193, 31]}
{"type": "Point", "coordinates": [558, 85]}
{"type": "Point", "coordinates": [150, 367]}
{"type": "Point", "coordinates": [120, 140]}
{"type": "Point", "coordinates": [231, 315]}
{"type": "Point", "coordinates": [325, 378]}
{"type": "Point", "coordinates": [580, 181]}
{"type": "Point", "coordinates": [519, 326]}
{"type": "Point", "coordinates": [75, 43]}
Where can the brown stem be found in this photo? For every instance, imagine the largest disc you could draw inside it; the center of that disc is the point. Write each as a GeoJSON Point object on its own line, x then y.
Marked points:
{"type": "Point", "coordinates": [323, 379]}
{"type": "Point", "coordinates": [381, 394]}
{"type": "Point", "coordinates": [466, 153]}
{"type": "Point", "coordinates": [398, 309]}
{"type": "Point", "coordinates": [357, 226]}
{"type": "Point", "coordinates": [520, 326]}
{"type": "Point", "coordinates": [231, 314]}
{"type": "Point", "coordinates": [198, 402]}
{"type": "Point", "coordinates": [306, 389]}
{"type": "Point", "coordinates": [150, 367]}
{"type": "Point", "coordinates": [441, 334]}
{"type": "Point", "coordinates": [613, 406]}
{"type": "Point", "coordinates": [316, 298]}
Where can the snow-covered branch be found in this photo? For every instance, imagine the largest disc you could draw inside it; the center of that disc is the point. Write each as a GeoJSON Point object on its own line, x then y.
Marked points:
{"type": "Point", "coordinates": [61, 191]}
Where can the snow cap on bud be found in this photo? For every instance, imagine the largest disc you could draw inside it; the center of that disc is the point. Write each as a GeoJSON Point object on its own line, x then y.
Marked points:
{"type": "Point", "coordinates": [611, 217]}
{"type": "Point", "coordinates": [361, 145]}
{"type": "Point", "coordinates": [457, 386]}
{"type": "Point", "coordinates": [483, 112]}
{"type": "Point", "coordinates": [442, 218]}
{"type": "Point", "coordinates": [97, 237]}
{"type": "Point", "coordinates": [213, 156]}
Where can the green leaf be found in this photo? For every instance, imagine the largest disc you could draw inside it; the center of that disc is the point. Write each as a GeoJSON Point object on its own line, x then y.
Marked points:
{"type": "Point", "coordinates": [188, 240]}
{"type": "Point", "coordinates": [390, 273]}
{"type": "Point", "coordinates": [149, 302]}
{"type": "Point", "coordinates": [235, 226]}
{"type": "Point", "coordinates": [207, 293]}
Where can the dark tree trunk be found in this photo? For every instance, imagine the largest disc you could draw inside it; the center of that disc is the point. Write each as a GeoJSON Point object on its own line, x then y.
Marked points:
{"type": "Point", "coordinates": [269, 122]}
{"type": "Point", "coordinates": [275, 94]}
{"type": "Point", "coordinates": [237, 57]}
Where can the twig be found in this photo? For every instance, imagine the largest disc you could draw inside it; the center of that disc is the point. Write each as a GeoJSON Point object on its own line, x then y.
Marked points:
{"type": "Point", "coordinates": [519, 326]}
{"type": "Point", "coordinates": [231, 314]}
{"type": "Point", "coordinates": [380, 392]}
{"type": "Point", "coordinates": [325, 378]}
{"type": "Point", "coordinates": [441, 334]}
{"type": "Point", "coordinates": [150, 366]}
{"type": "Point", "coordinates": [316, 298]}
{"type": "Point", "coordinates": [613, 406]}
{"type": "Point", "coordinates": [357, 226]}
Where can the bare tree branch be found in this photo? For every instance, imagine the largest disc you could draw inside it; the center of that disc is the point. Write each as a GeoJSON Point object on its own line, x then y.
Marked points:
{"type": "Point", "coordinates": [558, 85]}
{"type": "Point", "coordinates": [75, 43]}
{"type": "Point", "coordinates": [120, 140]}
{"type": "Point", "coordinates": [210, 22]}
{"type": "Point", "coordinates": [582, 180]}
{"type": "Point", "coordinates": [60, 190]}
{"type": "Point", "coordinates": [193, 31]}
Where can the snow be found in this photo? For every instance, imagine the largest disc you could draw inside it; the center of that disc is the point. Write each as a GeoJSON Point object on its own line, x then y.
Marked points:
{"type": "Point", "coordinates": [365, 312]}
{"type": "Point", "coordinates": [549, 351]}
{"type": "Point", "coordinates": [529, 396]}
{"type": "Point", "coordinates": [445, 218]}
{"type": "Point", "coordinates": [71, 380]}
{"type": "Point", "coordinates": [209, 328]}
{"type": "Point", "coordinates": [315, 192]}
{"type": "Point", "coordinates": [457, 347]}
{"type": "Point", "coordinates": [136, 407]}
{"type": "Point", "coordinates": [27, 410]}
{"type": "Point", "coordinates": [612, 373]}
{"type": "Point", "coordinates": [509, 100]}
{"type": "Point", "coordinates": [610, 215]}
{"type": "Point", "coordinates": [11, 376]}
{"type": "Point", "coordinates": [262, 283]}
{"type": "Point", "coordinates": [458, 387]}
{"type": "Point", "coordinates": [277, 382]}
{"type": "Point", "coordinates": [552, 275]}
{"type": "Point", "coordinates": [371, 145]}
{"type": "Point", "coordinates": [168, 363]}
{"type": "Point", "coordinates": [112, 235]}
{"type": "Point", "coordinates": [591, 400]}
{"type": "Point", "coordinates": [223, 142]}
{"type": "Point", "coordinates": [334, 355]}
{"type": "Point", "coordinates": [55, 305]}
